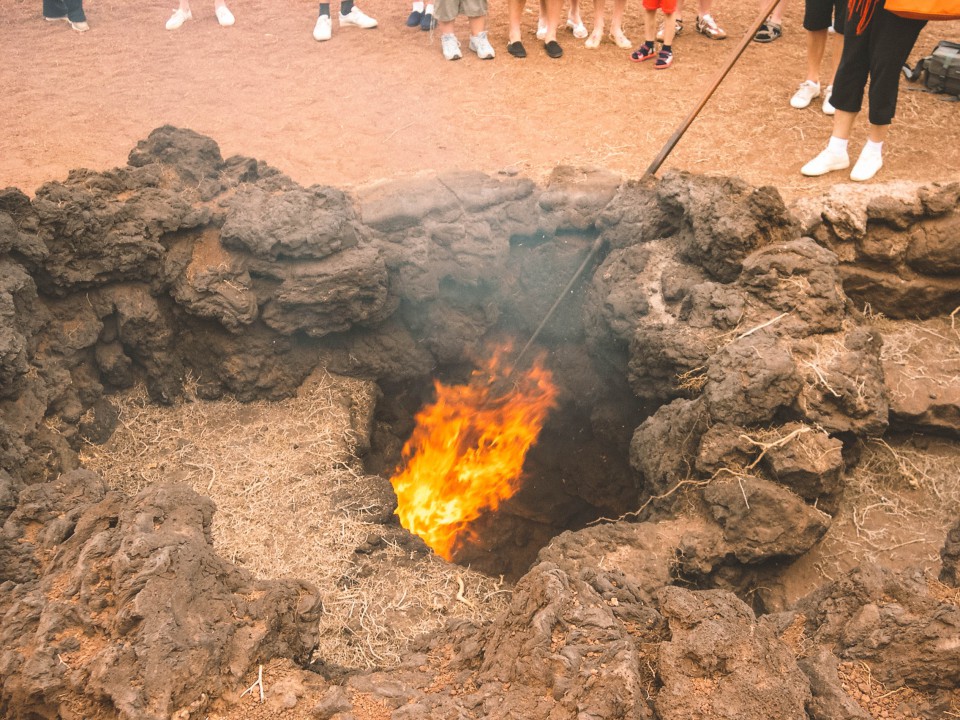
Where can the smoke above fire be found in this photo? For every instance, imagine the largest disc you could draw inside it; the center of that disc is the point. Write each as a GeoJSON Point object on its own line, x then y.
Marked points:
{"type": "Point", "coordinates": [465, 456]}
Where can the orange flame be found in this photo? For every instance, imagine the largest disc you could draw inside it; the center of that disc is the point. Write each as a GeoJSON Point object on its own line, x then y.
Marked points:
{"type": "Point", "coordinates": [466, 453]}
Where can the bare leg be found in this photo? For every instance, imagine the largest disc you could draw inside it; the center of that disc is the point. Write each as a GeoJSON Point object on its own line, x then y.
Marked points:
{"type": "Point", "coordinates": [514, 14]}
{"type": "Point", "coordinates": [185, 6]}
{"type": "Point", "coordinates": [553, 8]}
{"type": "Point", "coordinates": [650, 26]}
{"type": "Point", "coordinates": [616, 24]}
{"type": "Point", "coordinates": [776, 16]}
{"type": "Point", "coordinates": [477, 24]}
{"type": "Point", "coordinates": [573, 15]}
{"type": "Point", "coordinates": [669, 28]}
{"type": "Point", "coordinates": [876, 133]}
{"type": "Point", "coordinates": [816, 44]}
{"type": "Point", "coordinates": [837, 51]}
{"type": "Point", "coordinates": [599, 6]}
{"type": "Point", "coordinates": [843, 122]}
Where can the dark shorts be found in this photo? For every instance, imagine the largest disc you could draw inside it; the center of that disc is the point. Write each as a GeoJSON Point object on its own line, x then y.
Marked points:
{"type": "Point", "coordinates": [822, 14]}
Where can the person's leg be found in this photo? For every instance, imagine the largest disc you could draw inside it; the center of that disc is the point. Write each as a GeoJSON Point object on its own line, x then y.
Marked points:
{"type": "Point", "coordinates": [446, 14]}
{"type": "Point", "coordinates": [646, 50]}
{"type": "Point", "coordinates": [479, 43]}
{"type": "Point", "coordinates": [553, 10]}
{"type": "Point", "coordinates": [816, 44]}
{"type": "Point", "coordinates": [616, 25]}
{"type": "Point", "coordinates": [75, 11]}
{"type": "Point", "coordinates": [836, 51]}
{"type": "Point", "coordinates": [53, 9]}
{"type": "Point", "coordinates": [575, 21]}
{"type": "Point", "coordinates": [514, 15]}
{"type": "Point", "coordinates": [891, 39]}
{"type": "Point", "coordinates": [599, 7]}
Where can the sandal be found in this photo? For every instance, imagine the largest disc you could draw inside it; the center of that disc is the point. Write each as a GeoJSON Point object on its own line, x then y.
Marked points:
{"type": "Point", "coordinates": [768, 32]}
{"type": "Point", "coordinates": [664, 60]}
{"type": "Point", "coordinates": [578, 29]}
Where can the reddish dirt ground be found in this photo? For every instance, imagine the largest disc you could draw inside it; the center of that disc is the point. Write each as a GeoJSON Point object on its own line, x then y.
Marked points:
{"type": "Point", "coordinates": [383, 103]}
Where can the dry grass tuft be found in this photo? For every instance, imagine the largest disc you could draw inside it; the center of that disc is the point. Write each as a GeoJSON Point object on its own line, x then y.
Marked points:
{"type": "Point", "coordinates": [899, 503]}
{"type": "Point", "coordinates": [292, 502]}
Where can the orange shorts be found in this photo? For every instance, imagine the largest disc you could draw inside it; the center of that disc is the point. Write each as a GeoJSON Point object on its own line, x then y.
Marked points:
{"type": "Point", "coordinates": [668, 6]}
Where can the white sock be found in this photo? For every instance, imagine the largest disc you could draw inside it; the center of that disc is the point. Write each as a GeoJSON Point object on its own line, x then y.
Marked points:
{"type": "Point", "coordinates": [873, 148]}
{"type": "Point", "coordinates": [418, 7]}
{"type": "Point", "coordinates": [837, 146]}
{"type": "Point", "coordinates": [429, 9]}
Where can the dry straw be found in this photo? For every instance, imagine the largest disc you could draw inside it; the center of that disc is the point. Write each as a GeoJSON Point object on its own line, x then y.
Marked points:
{"type": "Point", "coordinates": [293, 502]}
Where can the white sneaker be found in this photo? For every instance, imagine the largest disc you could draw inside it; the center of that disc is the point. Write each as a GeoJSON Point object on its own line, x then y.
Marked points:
{"type": "Point", "coordinates": [225, 17]}
{"type": "Point", "coordinates": [357, 17]}
{"type": "Point", "coordinates": [80, 26]}
{"type": "Point", "coordinates": [323, 29]}
{"type": "Point", "coordinates": [826, 162]}
{"type": "Point", "coordinates": [828, 109]}
{"type": "Point", "coordinates": [450, 46]}
{"type": "Point", "coordinates": [867, 166]}
{"type": "Point", "coordinates": [481, 46]}
{"type": "Point", "coordinates": [807, 91]}
{"type": "Point", "coordinates": [178, 18]}
{"type": "Point", "coordinates": [541, 29]}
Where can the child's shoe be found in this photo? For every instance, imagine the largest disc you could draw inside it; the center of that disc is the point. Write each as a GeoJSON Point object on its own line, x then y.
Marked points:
{"type": "Point", "coordinates": [414, 18]}
{"type": "Point", "coordinates": [664, 60]}
{"type": "Point", "coordinates": [481, 46]}
{"type": "Point", "coordinates": [427, 22]}
{"type": "Point", "coordinates": [450, 46]}
{"type": "Point", "coordinates": [644, 52]}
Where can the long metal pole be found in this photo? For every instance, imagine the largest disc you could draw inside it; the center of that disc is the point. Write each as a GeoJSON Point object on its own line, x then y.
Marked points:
{"type": "Point", "coordinates": [597, 244]}
{"type": "Point", "coordinates": [678, 133]}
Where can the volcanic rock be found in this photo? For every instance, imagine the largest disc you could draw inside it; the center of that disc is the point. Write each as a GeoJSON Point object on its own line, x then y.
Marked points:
{"type": "Point", "coordinates": [720, 662]}
{"type": "Point", "coordinates": [121, 603]}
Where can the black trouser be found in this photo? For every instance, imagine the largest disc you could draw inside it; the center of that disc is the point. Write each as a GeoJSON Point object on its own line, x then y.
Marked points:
{"type": "Point", "coordinates": [73, 9]}
{"type": "Point", "coordinates": [879, 53]}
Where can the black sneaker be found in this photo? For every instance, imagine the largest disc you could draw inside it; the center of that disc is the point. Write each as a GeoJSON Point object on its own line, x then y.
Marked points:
{"type": "Point", "coordinates": [427, 22]}
{"type": "Point", "coordinates": [414, 18]}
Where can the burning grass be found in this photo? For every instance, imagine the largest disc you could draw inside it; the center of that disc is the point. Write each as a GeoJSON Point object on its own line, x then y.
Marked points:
{"type": "Point", "coordinates": [293, 502]}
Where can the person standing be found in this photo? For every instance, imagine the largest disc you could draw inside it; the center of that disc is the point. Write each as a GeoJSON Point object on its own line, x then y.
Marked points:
{"type": "Point", "coordinates": [821, 19]}
{"type": "Point", "coordinates": [647, 51]}
{"type": "Point", "coordinates": [876, 44]}
{"type": "Point", "coordinates": [476, 12]}
{"type": "Point", "coordinates": [183, 13]}
{"type": "Point", "coordinates": [69, 10]}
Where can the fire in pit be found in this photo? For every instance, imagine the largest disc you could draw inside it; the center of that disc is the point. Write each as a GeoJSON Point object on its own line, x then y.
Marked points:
{"type": "Point", "coordinates": [466, 454]}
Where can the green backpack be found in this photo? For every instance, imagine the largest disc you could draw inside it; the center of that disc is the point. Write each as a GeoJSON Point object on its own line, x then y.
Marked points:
{"type": "Point", "coordinates": [940, 70]}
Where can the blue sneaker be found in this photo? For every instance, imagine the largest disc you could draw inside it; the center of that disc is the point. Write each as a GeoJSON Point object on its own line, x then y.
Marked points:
{"type": "Point", "coordinates": [414, 18]}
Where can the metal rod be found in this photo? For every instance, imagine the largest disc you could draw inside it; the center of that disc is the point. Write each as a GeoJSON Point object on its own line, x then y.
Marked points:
{"type": "Point", "coordinates": [597, 244]}
{"type": "Point", "coordinates": [678, 133]}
